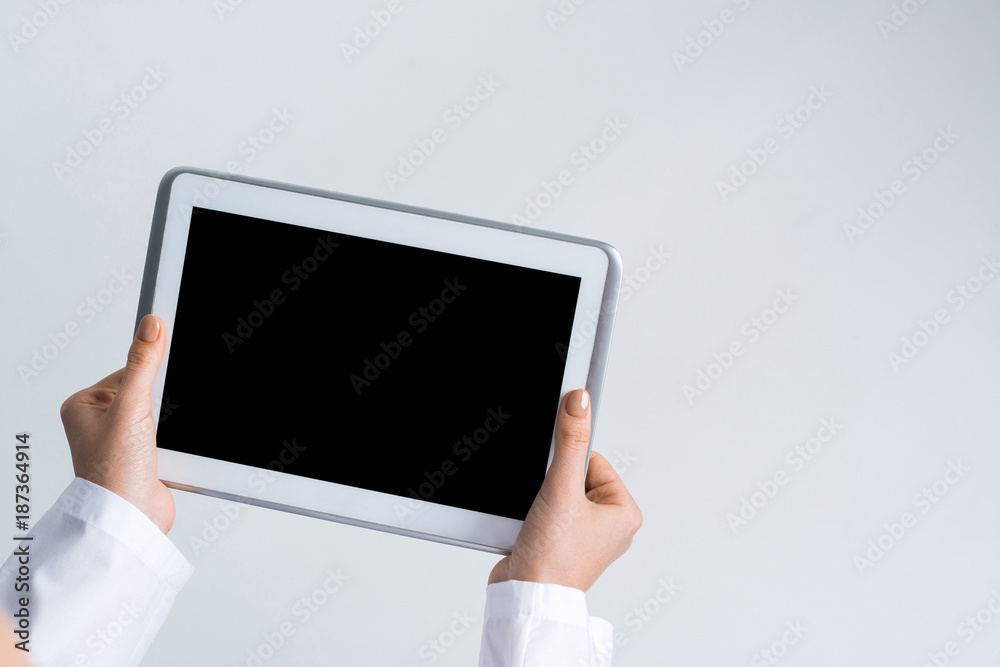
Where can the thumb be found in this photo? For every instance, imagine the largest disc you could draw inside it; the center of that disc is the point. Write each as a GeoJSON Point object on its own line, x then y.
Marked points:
{"type": "Point", "coordinates": [572, 439]}
{"type": "Point", "coordinates": [143, 361]}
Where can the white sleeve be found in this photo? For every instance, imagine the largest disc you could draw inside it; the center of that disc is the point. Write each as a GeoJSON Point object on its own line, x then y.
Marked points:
{"type": "Point", "coordinates": [542, 625]}
{"type": "Point", "coordinates": [101, 579]}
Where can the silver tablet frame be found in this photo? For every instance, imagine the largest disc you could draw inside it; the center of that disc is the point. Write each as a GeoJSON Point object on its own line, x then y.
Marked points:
{"type": "Point", "coordinates": [601, 336]}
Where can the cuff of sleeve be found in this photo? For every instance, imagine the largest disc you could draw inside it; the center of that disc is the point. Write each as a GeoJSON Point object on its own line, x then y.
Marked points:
{"type": "Point", "coordinates": [603, 633]}
{"type": "Point", "coordinates": [124, 522]}
{"type": "Point", "coordinates": [528, 598]}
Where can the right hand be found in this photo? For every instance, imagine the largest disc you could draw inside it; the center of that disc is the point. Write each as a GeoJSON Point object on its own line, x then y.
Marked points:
{"type": "Point", "coordinates": [577, 525]}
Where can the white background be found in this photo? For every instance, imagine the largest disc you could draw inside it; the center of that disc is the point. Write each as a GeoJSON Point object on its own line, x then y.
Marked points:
{"type": "Point", "coordinates": [689, 463]}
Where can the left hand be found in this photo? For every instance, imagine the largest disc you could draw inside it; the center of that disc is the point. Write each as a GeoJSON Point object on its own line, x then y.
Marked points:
{"type": "Point", "coordinates": [111, 432]}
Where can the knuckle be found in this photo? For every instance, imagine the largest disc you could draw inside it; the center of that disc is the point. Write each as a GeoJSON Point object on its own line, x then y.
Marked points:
{"type": "Point", "coordinates": [636, 519]}
{"type": "Point", "coordinates": [631, 519]}
{"type": "Point", "coordinates": [67, 408]}
{"type": "Point", "coordinates": [576, 436]}
{"type": "Point", "coordinates": [140, 357]}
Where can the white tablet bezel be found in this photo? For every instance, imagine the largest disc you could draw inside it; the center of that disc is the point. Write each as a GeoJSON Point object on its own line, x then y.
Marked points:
{"type": "Point", "coordinates": [592, 262]}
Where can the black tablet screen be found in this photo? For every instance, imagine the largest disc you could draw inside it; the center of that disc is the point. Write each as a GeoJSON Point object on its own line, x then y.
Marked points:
{"type": "Point", "coordinates": [376, 365]}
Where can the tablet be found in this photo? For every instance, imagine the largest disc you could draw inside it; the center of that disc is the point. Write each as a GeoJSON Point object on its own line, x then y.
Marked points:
{"type": "Point", "coordinates": [367, 362]}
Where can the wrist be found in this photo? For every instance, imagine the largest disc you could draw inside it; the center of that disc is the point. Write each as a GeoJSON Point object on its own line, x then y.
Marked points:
{"type": "Point", "coordinates": [538, 575]}
{"type": "Point", "coordinates": [154, 501]}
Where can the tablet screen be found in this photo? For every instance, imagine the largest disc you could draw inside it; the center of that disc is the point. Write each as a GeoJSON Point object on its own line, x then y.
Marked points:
{"type": "Point", "coordinates": [371, 364]}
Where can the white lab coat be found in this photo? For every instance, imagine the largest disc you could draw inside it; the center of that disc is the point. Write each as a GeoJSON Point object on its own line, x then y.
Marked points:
{"type": "Point", "coordinates": [103, 578]}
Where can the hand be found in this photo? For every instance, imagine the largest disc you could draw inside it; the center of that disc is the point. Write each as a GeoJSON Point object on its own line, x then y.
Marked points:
{"type": "Point", "coordinates": [111, 432]}
{"type": "Point", "coordinates": [577, 526]}
{"type": "Point", "coordinates": [10, 656]}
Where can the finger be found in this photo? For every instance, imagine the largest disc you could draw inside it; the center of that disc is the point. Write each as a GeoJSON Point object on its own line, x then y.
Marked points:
{"type": "Point", "coordinates": [112, 382]}
{"type": "Point", "coordinates": [99, 395]}
{"type": "Point", "coordinates": [143, 360]}
{"type": "Point", "coordinates": [102, 393]}
{"type": "Point", "coordinates": [499, 571]}
{"type": "Point", "coordinates": [572, 439]}
{"type": "Point", "coordinates": [600, 472]}
{"type": "Point", "coordinates": [604, 486]}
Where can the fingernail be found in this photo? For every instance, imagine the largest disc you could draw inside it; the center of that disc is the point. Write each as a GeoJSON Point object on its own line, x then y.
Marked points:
{"type": "Point", "coordinates": [578, 402]}
{"type": "Point", "coordinates": [149, 329]}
